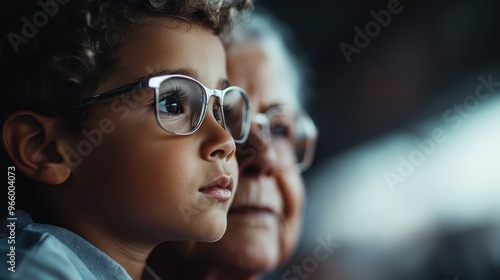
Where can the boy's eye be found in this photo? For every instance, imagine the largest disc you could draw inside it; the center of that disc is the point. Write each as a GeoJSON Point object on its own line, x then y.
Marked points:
{"type": "Point", "coordinates": [172, 103]}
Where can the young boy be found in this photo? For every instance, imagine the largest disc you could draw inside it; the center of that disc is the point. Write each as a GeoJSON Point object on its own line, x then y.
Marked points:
{"type": "Point", "coordinates": [264, 220]}
{"type": "Point", "coordinates": [112, 141]}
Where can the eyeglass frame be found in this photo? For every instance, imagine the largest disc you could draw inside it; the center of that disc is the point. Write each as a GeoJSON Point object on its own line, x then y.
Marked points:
{"type": "Point", "coordinates": [311, 132]}
{"type": "Point", "coordinates": [154, 82]}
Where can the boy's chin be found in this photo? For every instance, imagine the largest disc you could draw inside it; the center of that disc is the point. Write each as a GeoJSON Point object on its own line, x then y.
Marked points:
{"type": "Point", "coordinates": [212, 228]}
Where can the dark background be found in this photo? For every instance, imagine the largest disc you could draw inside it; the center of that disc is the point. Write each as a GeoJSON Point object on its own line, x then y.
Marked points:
{"type": "Point", "coordinates": [426, 60]}
{"type": "Point", "coordinates": [423, 52]}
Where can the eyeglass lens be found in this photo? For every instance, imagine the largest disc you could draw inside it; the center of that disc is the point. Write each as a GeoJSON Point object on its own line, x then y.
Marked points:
{"type": "Point", "coordinates": [295, 130]}
{"type": "Point", "coordinates": [181, 106]}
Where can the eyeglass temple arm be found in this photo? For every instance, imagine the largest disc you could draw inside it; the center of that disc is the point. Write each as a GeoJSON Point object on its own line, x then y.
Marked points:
{"type": "Point", "coordinates": [312, 137]}
{"type": "Point", "coordinates": [97, 97]}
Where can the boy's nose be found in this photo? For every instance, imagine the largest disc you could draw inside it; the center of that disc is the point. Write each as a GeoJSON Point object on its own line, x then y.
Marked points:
{"type": "Point", "coordinates": [218, 142]}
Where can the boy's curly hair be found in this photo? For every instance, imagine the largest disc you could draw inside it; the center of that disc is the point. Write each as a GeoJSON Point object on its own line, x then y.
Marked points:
{"type": "Point", "coordinates": [57, 52]}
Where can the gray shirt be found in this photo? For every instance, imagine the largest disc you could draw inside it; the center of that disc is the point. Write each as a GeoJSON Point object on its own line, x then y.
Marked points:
{"type": "Point", "coordinates": [40, 251]}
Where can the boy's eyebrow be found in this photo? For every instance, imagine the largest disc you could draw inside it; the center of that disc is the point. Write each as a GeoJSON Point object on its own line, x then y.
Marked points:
{"type": "Point", "coordinates": [222, 84]}
{"type": "Point", "coordinates": [186, 72]}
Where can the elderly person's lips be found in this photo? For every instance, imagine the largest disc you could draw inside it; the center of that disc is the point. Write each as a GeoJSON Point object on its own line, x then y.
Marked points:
{"type": "Point", "coordinates": [251, 210]}
{"type": "Point", "coordinates": [257, 197]}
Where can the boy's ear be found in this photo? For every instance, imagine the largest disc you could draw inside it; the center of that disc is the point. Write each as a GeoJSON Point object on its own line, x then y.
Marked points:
{"type": "Point", "coordinates": [31, 142]}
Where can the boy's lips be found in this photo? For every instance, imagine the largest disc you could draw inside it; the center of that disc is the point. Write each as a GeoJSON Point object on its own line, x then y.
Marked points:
{"type": "Point", "coordinates": [220, 188]}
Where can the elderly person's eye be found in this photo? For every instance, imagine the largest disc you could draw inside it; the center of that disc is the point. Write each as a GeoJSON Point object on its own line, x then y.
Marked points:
{"type": "Point", "coordinates": [282, 129]}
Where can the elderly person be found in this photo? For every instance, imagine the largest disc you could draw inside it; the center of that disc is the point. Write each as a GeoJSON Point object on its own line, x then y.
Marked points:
{"type": "Point", "coordinates": [264, 219]}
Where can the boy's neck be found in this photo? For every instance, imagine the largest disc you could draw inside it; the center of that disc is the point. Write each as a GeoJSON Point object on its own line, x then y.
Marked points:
{"type": "Point", "coordinates": [130, 256]}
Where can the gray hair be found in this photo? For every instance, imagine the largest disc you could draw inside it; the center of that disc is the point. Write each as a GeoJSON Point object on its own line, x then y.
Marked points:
{"type": "Point", "coordinates": [278, 42]}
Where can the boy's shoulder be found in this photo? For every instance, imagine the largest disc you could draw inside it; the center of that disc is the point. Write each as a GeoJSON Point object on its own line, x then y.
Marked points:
{"type": "Point", "coordinates": [39, 251]}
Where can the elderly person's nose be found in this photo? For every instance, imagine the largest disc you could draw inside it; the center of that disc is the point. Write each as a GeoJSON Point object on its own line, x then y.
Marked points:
{"type": "Point", "coordinates": [256, 156]}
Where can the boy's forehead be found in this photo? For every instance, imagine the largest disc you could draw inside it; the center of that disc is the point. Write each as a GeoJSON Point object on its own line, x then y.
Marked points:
{"type": "Point", "coordinates": [172, 46]}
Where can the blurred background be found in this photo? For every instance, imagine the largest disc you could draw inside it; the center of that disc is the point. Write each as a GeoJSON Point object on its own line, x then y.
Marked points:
{"type": "Point", "coordinates": [406, 179]}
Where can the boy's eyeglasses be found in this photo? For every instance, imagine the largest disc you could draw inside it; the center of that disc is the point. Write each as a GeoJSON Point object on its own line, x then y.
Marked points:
{"type": "Point", "coordinates": [181, 104]}
{"type": "Point", "coordinates": [297, 128]}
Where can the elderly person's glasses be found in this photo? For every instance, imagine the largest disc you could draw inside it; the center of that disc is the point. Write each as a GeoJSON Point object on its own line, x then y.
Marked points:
{"type": "Point", "coordinates": [181, 103]}
{"type": "Point", "coordinates": [296, 128]}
